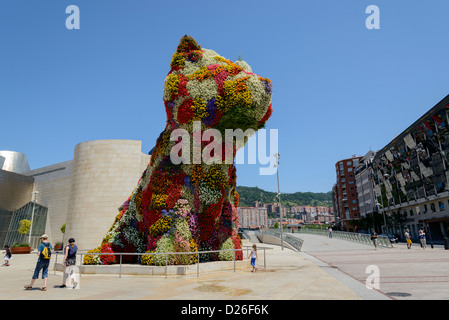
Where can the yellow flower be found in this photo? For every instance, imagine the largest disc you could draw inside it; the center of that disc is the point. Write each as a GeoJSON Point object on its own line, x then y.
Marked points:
{"type": "Point", "coordinates": [199, 109]}
{"type": "Point", "coordinates": [236, 94]}
{"type": "Point", "coordinates": [158, 201]}
{"type": "Point", "coordinates": [148, 258]}
{"type": "Point", "coordinates": [193, 248]}
{"type": "Point", "coordinates": [215, 178]}
{"type": "Point", "coordinates": [171, 85]}
{"type": "Point", "coordinates": [197, 173]}
{"type": "Point", "coordinates": [161, 226]}
{"type": "Point", "coordinates": [177, 60]}
{"type": "Point", "coordinates": [90, 258]}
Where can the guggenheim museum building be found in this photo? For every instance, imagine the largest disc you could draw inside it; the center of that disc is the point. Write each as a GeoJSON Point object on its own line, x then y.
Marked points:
{"type": "Point", "coordinates": [83, 193]}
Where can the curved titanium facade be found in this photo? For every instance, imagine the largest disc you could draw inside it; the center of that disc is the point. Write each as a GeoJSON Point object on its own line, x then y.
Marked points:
{"type": "Point", "coordinates": [14, 162]}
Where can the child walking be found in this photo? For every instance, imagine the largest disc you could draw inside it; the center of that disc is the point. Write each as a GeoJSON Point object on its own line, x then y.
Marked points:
{"type": "Point", "coordinates": [253, 257]}
{"type": "Point", "coordinates": [8, 257]}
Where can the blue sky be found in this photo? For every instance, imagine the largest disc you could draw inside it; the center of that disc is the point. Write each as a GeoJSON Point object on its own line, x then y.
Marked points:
{"type": "Point", "coordinates": [339, 88]}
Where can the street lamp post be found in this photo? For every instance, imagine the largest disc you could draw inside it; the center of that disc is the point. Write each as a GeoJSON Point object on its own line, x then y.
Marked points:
{"type": "Point", "coordinates": [277, 155]}
{"type": "Point", "coordinates": [32, 215]}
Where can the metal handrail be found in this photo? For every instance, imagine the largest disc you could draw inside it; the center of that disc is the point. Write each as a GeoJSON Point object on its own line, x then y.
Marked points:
{"type": "Point", "coordinates": [247, 248]}
{"type": "Point", "coordinates": [383, 241]}
{"type": "Point", "coordinates": [295, 242]}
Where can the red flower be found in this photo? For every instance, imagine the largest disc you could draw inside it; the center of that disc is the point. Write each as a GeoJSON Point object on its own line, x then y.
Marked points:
{"type": "Point", "coordinates": [206, 224]}
{"type": "Point", "coordinates": [182, 87]}
{"type": "Point", "coordinates": [220, 78]}
{"type": "Point", "coordinates": [267, 115]}
{"type": "Point", "coordinates": [107, 258]}
{"type": "Point", "coordinates": [152, 242]}
{"type": "Point", "coordinates": [185, 111]}
{"type": "Point", "coordinates": [131, 258]}
{"type": "Point", "coordinates": [237, 245]}
{"type": "Point", "coordinates": [174, 194]}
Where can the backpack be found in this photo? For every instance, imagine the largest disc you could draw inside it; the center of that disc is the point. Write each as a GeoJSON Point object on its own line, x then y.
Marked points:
{"type": "Point", "coordinates": [46, 252]}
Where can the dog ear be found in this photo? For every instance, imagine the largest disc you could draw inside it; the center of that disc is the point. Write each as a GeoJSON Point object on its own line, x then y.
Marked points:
{"type": "Point", "coordinates": [187, 44]}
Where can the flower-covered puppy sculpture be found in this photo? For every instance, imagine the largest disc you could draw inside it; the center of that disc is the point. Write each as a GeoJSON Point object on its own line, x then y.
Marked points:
{"type": "Point", "coordinates": [191, 205]}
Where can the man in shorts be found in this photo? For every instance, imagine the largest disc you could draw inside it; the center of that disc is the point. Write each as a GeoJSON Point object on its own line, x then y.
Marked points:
{"type": "Point", "coordinates": [42, 264]}
{"type": "Point", "coordinates": [408, 239]}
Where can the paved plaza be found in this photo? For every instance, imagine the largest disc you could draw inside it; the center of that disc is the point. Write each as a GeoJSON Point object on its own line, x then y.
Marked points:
{"type": "Point", "coordinates": [326, 269]}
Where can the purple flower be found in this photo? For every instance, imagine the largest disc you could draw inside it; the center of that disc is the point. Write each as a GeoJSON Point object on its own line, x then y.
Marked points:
{"type": "Point", "coordinates": [188, 183]}
{"type": "Point", "coordinates": [268, 86]}
{"type": "Point", "coordinates": [193, 224]}
{"type": "Point", "coordinates": [210, 108]}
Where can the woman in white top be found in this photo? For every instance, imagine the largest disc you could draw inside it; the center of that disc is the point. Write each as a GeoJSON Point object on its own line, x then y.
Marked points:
{"type": "Point", "coordinates": [422, 238]}
{"type": "Point", "coordinates": [253, 257]}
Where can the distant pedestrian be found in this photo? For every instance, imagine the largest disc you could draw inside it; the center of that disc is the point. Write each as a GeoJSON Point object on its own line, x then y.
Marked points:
{"type": "Point", "coordinates": [422, 238]}
{"type": "Point", "coordinates": [374, 237]}
{"type": "Point", "coordinates": [330, 232]}
{"type": "Point", "coordinates": [43, 261]}
{"type": "Point", "coordinates": [8, 256]}
{"type": "Point", "coordinates": [69, 259]}
{"type": "Point", "coordinates": [253, 255]}
{"type": "Point", "coordinates": [408, 239]}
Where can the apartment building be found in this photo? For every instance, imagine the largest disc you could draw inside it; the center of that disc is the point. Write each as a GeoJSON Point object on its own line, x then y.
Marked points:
{"type": "Point", "coordinates": [346, 197]}
{"type": "Point", "coordinates": [365, 187]}
{"type": "Point", "coordinates": [253, 217]}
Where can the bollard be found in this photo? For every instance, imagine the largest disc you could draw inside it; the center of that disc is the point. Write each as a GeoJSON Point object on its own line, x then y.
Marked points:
{"type": "Point", "coordinates": [166, 263]}
{"type": "Point", "coordinates": [198, 265]}
{"type": "Point", "coordinates": [446, 243]}
{"type": "Point", "coordinates": [120, 272]}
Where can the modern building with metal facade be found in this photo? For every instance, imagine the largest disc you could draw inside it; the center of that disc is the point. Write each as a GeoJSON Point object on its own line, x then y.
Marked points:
{"type": "Point", "coordinates": [84, 193]}
{"type": "Point", "coordinates": [411, 175]}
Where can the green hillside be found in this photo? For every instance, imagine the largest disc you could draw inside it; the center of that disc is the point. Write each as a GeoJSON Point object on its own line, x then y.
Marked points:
{"type": "Point", "coordinates": [249, 194]}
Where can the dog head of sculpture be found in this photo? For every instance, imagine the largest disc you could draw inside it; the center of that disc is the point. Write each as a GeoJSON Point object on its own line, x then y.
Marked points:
{"type": "Point", "coordinates": [204, 86]}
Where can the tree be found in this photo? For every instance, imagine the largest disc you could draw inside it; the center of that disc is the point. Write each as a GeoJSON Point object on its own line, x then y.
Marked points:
{"type": "Point", "coordinates": [373, 220]}
{"type": "Point", "coordinates": [397, 220]}
{"type": "Point", "coordinates": [25, 226]}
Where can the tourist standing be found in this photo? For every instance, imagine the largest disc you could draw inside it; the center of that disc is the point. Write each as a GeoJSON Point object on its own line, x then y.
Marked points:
{"type": "Point", "coordinates": [330, 232]}
{"type": "Point", "coordinates": [44, 254]}
{"type": "Point", "coordinates": [422, 238]}
{"type": "Point", "coordinates": [69, 259]}
{"type": "Point", "coordinates": [408, 239]}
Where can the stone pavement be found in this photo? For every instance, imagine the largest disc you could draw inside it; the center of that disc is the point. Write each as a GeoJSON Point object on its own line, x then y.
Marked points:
{"type": "Point", "coordinates": [326, 269]}
{"type": "Point", "coordinates": [404, 274]}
